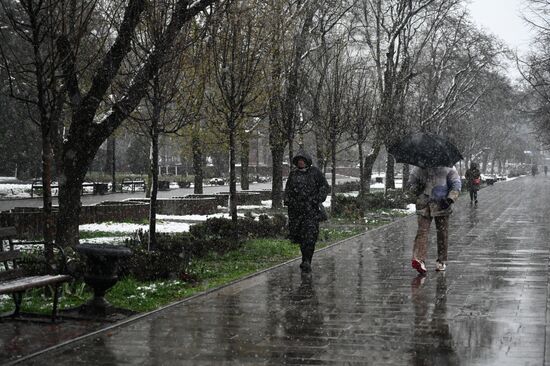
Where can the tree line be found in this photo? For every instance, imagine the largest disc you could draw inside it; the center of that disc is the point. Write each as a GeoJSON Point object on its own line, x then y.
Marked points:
{"type": "Point", "coordinates": [348, 75]}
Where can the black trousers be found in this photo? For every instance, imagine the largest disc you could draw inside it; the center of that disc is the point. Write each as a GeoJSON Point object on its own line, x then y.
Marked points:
{"type": "Point", "coordinates": [304, 231]}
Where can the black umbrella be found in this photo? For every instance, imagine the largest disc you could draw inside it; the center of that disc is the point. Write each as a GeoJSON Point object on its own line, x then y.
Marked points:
{"type": "Point", "coordinates": [425, 150]}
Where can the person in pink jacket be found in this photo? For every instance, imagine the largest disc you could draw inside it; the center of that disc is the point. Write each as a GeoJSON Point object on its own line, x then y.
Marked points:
{"type": "Point", "coordinates": [436, 190]}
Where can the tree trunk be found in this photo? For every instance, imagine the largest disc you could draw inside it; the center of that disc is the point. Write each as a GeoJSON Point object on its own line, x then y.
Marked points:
{"type": "Point", "coordinates": [333, 175]}
{"type": "Point", "coordinates": [320, 149]}
{"type": "Point", "coordinates": [149, 177]}
{"type": "Point", "coordinates": [390, 172]}
{"type": "Point", "coordinates": [70, 187]}
{"type": "Point", "coordinates": [245, 152]}
{"type": "Point", "coordinates": [485, 162]}
{"type": "Point", "coordinates": [406, 175]}
{"type": "Point", "coordinates": [370, 159]}
{"type": "Point", "coordinates": [290, 150]}
{"type": "Point", "coordinates": [277, 154]}
{"type": "Point", "coordinates": [232, 174]}
{"type": "Point", "coordinates": [154, 160]}
{"type": "Point", "coordinates": [111, 161]}
{"type": "Point", "coordinates": [47, 160]}
{"type": "Point", "coordinates": [197, 163]}
{"type": "Point", "coordinates": [362, 183]}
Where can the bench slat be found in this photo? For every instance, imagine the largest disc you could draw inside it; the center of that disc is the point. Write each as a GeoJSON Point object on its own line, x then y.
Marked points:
{"type": "Point", "coordinates": [10, 255]}
{"type": "Point", "coordinates": [11, 274]}
{"type": "Point", "coordinates": [26, 283]}
{"type": "Point", "coordinates": [7, 232]}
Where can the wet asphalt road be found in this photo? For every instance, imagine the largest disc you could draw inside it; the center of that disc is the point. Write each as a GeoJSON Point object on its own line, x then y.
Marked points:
{"type": "Point", "coordinates": [364, 305]}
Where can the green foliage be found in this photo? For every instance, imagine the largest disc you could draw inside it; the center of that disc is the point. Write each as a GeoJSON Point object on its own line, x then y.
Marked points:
{"type": "Point", "coordinates": [352, 186]}
{"type": "Point", "coordinates": [356, 207]}
{"type": "Point", "coordinates": [349, 207]}
{"type": "Point", "coordinates": [391, 199]}
{"type": "Point", "coordinates": [168, 260]}
{"type": "Point", "coordinates": [174, 252]}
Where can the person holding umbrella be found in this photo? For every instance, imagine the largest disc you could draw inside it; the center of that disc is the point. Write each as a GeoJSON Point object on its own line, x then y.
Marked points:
{"type": "Point", "coordinates": [436, 189]}
{"type": "Point", "coordinates": [436, 183]}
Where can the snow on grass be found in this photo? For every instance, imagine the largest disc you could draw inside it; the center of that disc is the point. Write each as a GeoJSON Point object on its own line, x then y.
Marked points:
{"type": "Point", "coordinates": [123, 227]}
{"type": "Point", "coordinates": [28, 247]}
{"type": "Point", "coordinates": [195, 218]}
{"type": "Point", "coordinates": [398, 184]}
{"type": "Point", "coordinates": [117, 240]}
{"type": "Point", "coordinates": [350, 194]}
{"type": "Point", "coordinates": [251, 207]}
{"type": "Point", "coordinates": [15, 190]}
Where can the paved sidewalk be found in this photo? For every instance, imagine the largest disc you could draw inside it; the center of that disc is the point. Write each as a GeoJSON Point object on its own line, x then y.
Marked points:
{"type": "Point", "coordinates": [88, 199]}
{"type": "Point", "coordinates": [364, 305]}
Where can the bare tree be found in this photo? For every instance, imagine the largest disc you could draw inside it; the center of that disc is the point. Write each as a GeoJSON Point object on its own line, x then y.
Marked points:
{"type": "Point", "coordinates": [87, 129]}
{"type": "Point", "coordinates": [237, 46]}
{"type": "Point", "coordinates": [395, 34]}
{"type": "Point", "coordinates": [174, 97]}
{"type": "Point", "coordinates": [35, 68]}
{"type": "Point", "coordinates": [361, 107]}
{"type": "Point", "coordinates": [535, 69]}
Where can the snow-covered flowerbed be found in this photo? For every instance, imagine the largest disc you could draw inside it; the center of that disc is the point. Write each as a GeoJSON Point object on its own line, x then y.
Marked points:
{"type": "Point", "coordinates": [123, 227]}
{"type": "Point", "coordinates": [13, 190]}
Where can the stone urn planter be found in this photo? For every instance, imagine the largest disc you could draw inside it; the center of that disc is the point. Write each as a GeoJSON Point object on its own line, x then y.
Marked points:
{"type": "Point", "coordinates": [101, 274]}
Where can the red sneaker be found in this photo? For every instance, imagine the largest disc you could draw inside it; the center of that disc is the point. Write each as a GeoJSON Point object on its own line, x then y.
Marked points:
{"type": "Point", "coordinates": [419, 266]}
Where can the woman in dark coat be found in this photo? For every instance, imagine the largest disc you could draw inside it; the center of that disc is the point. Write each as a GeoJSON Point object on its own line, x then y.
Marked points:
{"type": "Point", "coordinates": [473, 181]}
{"type": "Point", "coordinates": [306, 189]}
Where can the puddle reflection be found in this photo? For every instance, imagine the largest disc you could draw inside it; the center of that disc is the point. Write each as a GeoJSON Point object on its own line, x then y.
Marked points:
{"type": "Point", "coordinates": [432, 339]}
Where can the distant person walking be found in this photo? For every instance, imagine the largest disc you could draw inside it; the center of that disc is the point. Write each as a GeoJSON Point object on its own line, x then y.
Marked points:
{"type": "Point", "coordinates": [534, 170]}
{"type": "Point", "coordinates": [436, 190]}
{"type": "Point", "coordinates": [473, 181]}
{"type": "Point", "coordinates": [545, 170]}
{"type": "Point", "coordinates": [306, 189]}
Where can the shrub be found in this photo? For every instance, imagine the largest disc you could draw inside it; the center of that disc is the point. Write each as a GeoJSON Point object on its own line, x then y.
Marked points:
{"type": "Point", "coordinates": [355, 207]}
{"type": "Point", "coordinates": [345, 206]}
{"type": "Point", "coordinates": [174, 252]}
{"type": "Point", "coordinates": [169, 260]}
{"type": "Point", "coordinates": [393, 198]}
{"type": "Point", "coordinates": [348, 187]}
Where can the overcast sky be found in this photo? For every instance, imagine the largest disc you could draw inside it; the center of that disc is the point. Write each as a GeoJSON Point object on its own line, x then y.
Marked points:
{"type": "Point", "coordinates": [503, 19]}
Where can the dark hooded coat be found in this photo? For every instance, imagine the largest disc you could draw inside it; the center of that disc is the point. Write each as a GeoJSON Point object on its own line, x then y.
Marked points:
{"type": "Point", "coordinates": [306, 189]}
{"type": "Point", "coordinates": [471, 174]}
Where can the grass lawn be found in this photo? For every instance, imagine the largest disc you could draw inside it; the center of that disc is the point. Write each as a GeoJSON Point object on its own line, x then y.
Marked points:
{"type": "Point", "coordinates": [210, 271]}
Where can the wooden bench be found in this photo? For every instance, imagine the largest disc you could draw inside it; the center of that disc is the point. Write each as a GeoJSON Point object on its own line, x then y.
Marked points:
{"type": "Point", "coordinates": [128, 182]}
{"type": "Point", "coordinates": [14, 281]}
{"type": "Point", "coordinates": [98, 188]}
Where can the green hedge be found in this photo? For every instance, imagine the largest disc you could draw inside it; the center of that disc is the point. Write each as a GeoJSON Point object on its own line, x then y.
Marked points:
{"type": "Point", "coordinates": [175, 252]}
{"type": "Point", "coordinates": [355, 207]}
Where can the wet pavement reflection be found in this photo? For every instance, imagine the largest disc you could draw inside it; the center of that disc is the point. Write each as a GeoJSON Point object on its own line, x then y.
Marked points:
{"type": "Point", "coordinates": [364, 305]}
